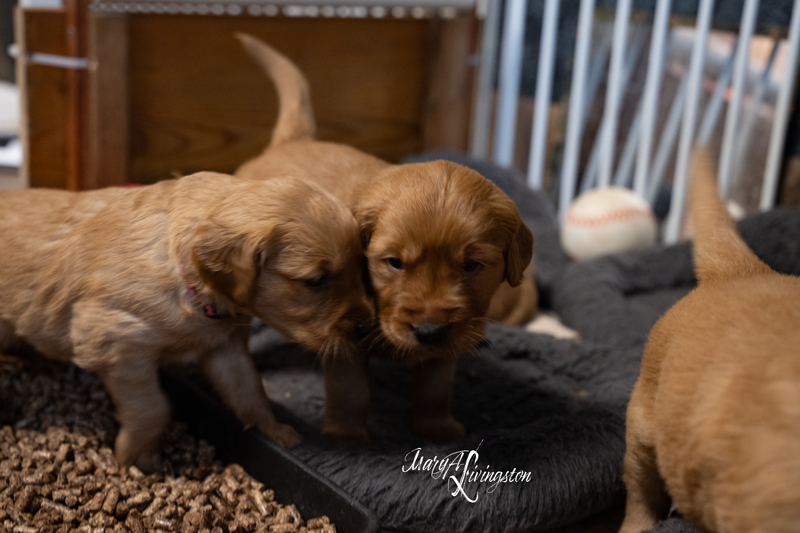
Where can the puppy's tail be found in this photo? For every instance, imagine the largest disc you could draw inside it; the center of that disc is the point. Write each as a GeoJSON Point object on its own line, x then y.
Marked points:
{"type": "Point", "coordinates": [296, 116]}
{"type": "Point", "coordinates": [719, 253]}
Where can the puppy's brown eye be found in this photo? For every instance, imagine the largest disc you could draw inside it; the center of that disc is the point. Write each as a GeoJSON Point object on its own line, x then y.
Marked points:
{"type": "Point", "coordinates": [395, 263]}
{"type": "Point", "coordinates": [471, 266]}
{"type": "Point", "coordinates": [317, 283]}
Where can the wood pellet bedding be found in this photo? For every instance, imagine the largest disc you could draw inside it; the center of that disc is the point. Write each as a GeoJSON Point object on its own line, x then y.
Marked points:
{"type": "Point", "coordinates": [58, 472]}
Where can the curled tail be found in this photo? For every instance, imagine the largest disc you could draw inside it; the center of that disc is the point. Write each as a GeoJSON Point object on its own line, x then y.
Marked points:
{"type": "Point", "coordinates": [719, 252]}
{"type": "Point", "coordinates": [295, 115]}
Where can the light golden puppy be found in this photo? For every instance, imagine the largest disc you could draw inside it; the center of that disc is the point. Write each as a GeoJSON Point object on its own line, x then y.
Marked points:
{"type": "Point", "coordinates": [122, 280]}
{"type": "Point", "coordinates": [714, 419]}
{"type": "Point", "coordinates": [439, 237]}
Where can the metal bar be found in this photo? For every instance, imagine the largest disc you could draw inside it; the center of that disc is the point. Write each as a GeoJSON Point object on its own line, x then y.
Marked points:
{"type": "Point", "coordinates": [623, 174]}
{"type": "Point", "coordinates": [510, 73]}
{"type": "Point", "coordinates": [667, 142]}
{"type": "Point", "coordinates": [614, 91]}
{"type": "Point", "coordinates": [711, 114]}
{"type": "Point", "coordinates": [655, 68]}
{"type": "Point", "coordinates": [670, 131]}
{"type": "Point", "coordinates": [778, 135]}
{"type": "Point", "coordinates": [739, 77]}
{"type": "Point", "coordinates": [694, 88]}
{"type": "Point", "coordinates": [51, 60]}
{"type": "Point", "coordinates": [596, 69]}
{"type": "Point", "coordinates": [751, 115]}
{"type": "Point", "coordinates": [590, 172]}
{"type": "Point", "coordinates": [544, 86]}
{"type": "Point", "coordinates": [569, 169]}
{"type": "Point", "coordinates": [482, 106]}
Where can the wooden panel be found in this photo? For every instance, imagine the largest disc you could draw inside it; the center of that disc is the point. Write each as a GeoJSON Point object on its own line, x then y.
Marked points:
{"type": "Point", "coordinates": [76, 18]}
{"type": "Point", "coordinates": [108, 129]}
{"type": "Point", "coordinates": [199, 103]}
{"type": "Point", "coordinates": [43, 92]}
{"type": "Point", "coordinates": [449, 98]}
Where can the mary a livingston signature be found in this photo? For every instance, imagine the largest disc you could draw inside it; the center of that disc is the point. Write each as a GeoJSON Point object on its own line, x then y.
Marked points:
{"type": "Point", "coordinates": [466, 472]}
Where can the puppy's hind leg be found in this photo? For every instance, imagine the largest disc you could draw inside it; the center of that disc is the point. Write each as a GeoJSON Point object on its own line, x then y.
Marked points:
{"type": "Point", "coordinates": [235, 377]}
{"type": "Point", "coordinates": [647, 501]}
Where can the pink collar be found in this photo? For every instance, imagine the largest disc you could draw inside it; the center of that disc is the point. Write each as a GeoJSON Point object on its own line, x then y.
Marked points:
{"type": "Point", "coordinates": [210, 310]}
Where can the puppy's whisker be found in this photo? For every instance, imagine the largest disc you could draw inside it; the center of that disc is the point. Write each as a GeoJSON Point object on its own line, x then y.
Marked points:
{"type": "Point", "coordinates": [324, 351]}
{"type": "Point", "coordinates": [490, 346]}
{"type": "Point", "coordinates": [472, 352]}
{"type": "Point", "coordinates": [376, 338]}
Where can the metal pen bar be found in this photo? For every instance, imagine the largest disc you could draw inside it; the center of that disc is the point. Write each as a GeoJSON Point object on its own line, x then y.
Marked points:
{"type": "Point", "coordinates": [667, 142]}
{"type": "Point", "coordinates": [739, 77]}
{"type": "Point", "coordinates": [694, 89]}
{"type": "Point", "coordinates": [544, 86]}
{"type": "Point", "coordinates": [569, 169]}
{"type": "Point", "coordinates": [778, 135]}
{"type": "Point", "coordinates": [510, 74]}
{"type": "Point", "coordinates": [751, 115]}
{"type": "Point", "coordinates": [655, 68]}
{"type": "Point", "coordinates": [711, 114]}
{"type": "Point", "coordinates": [614, 91]}
{"type": "Point", "coordinates": [482, 106]}
{"type": "Point", "coordinates": [670, 132]}
{"type": "Point", "coordinates": [623, 174]}
{"type": "Point", "coordinates": [590, 172]}
{"type": "Point", "coordinates": [596, 69]}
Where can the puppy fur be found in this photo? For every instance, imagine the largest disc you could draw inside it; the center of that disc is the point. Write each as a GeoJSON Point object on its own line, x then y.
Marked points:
{"type": "Point", "coordinates": [714, 419]}
{"type": "Point", "coordinates": [439, 239]}
{"type": "Point", "coordinates": [515, 306]}
{"type": "Point", "coordinates": [117, 280]}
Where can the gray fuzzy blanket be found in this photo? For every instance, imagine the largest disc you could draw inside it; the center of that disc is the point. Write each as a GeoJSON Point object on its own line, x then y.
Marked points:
{"type": "Point", "coordinates": [552, 409]}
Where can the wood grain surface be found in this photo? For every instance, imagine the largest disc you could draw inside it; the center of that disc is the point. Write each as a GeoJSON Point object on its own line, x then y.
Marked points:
{"type": "Point", "coordinates": [197, 101]}
{"type": "Point", "coordinates": [43, 91]}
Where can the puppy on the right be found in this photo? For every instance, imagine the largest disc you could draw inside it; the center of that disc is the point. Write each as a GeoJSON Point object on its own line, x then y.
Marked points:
{"type": "Point", "coordinates": [713, 425]}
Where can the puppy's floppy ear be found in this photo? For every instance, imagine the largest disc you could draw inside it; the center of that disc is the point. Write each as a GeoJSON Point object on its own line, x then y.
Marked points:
{"type": "Point", "coordinates": [366, 213]}
{"type": "Point", "coordinates": [228, 261]}
{"type": "Point", "coordinates": [518, 254]}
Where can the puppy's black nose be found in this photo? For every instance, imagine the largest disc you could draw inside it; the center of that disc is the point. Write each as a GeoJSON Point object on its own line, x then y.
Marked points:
{"type": "Point", "coordinates": [364, 328]}
{"type": "Point", "coordinates": [430, 333]}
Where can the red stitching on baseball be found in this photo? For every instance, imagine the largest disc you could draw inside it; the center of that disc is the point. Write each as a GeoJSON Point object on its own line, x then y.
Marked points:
{"type": "Point", "coordinates": [616, 216]}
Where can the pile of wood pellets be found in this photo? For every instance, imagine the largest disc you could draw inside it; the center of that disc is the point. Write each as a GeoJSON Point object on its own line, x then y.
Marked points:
{"type": "Point", "coordinates": [58, 472]}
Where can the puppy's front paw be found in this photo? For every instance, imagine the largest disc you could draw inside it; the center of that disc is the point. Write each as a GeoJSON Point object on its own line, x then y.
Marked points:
{"type": "Point", "coordinates": [354, 436]}
{"type": "Point", "coordinates": [283, 435]}
{"type": "Point", "coordinates": [131, 451]}
{"type": "Point", "coordinates": [439, 430]}
{"type": "Point", "coordinates": [149, 462]}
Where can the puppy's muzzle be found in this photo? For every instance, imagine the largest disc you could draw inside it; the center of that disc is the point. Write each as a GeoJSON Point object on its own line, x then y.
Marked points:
{"type": "Point", "coordinates": [430, 334]}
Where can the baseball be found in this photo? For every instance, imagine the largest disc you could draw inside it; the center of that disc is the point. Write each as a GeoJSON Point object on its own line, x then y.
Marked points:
{"type": "Point", "coordinates": [605, 221]}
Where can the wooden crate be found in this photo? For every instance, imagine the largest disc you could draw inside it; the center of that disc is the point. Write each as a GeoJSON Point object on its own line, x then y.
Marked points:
{"type": "Point", "coordinates": [175, 94]}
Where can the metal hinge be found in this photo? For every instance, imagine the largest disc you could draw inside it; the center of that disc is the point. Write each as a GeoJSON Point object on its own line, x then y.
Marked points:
{"type": "Point", "coordinates": [51, 60]}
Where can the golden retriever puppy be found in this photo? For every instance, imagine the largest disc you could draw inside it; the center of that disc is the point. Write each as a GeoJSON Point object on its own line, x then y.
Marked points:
{"type": "Point", "coordinates": [439, 238]}
{"type": "Point", "coordinates": [122, 280]}
{"type": "Point", "coordinates": [714, 420]}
